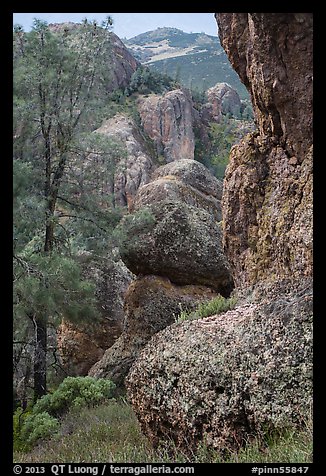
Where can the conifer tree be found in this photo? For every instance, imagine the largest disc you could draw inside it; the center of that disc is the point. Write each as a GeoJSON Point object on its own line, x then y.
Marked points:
{"type": "Point", "coordinates": [55, 75]}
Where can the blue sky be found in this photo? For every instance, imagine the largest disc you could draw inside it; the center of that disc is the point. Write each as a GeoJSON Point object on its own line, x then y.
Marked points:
{"type": "Point", "coordinates": [127, 25]}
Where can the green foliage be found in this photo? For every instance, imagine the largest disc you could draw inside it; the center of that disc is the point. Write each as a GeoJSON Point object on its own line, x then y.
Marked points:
{"type": "Point", "coordinates": [39, 426]}
{"type": "Point", "coordinates": [51, 285]}
{"type": "Point", "coordinates": [145, 81]}
{"type": "Point", "coordinates": [75, 392]}
{"type": "Point", "coordinates": [221, 138]}
{"type": "Point", "coordinates": [210, 308]}
{"type": "Point", "coordinates": [19, 419]}
{"type": "Point", "coordinates": [43, 421]}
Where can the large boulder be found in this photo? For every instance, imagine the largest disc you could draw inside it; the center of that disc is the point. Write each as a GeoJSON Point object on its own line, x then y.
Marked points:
{"type": "Point", "coordinates": [219, 379]}
{"type": "Point", "coordinates": [186, 181]}
{"type": "Point", "coordinates": [151, 304]}
{"type": "Point", "coordinates": [168, 121]}
{"type": "Point", "coordinates": [179, 241]}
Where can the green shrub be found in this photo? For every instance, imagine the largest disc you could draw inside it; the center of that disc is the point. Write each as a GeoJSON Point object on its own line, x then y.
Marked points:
{"type": "Point", "coordinates": [210, 308]}
{"type": "Point", "coordinates": [39, 426]}
{"type": "Point", "coordinates": [42, 422]}
{"type": "Point", "coordinates": [75, 392]}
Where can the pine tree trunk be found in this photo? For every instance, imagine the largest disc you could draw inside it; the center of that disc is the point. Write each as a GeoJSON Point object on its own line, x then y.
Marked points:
{"type": "Point", "coordinates": [40, 387]}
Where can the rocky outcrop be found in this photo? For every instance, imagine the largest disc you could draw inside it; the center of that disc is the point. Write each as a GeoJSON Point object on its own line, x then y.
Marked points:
{"type": "Point", "coordinates": [135, 167]}
{"type": "Point", "coordinates": [81, 345]}
{"type": "Point", "coordinates": [179, 236]}
{"type": "Point", "coordinates": [172, 241]}
{"type": "Point", "coordinates": [168, 121]}
{"type": "Point", "coordinates": [124, 64]}
{"type": "Point", "coordinates": [222, 99]}
{"type": "Point", "coordinates": [186, 181]}
{"type": "Point", "coordinates": [151, 304]}
{"type": "Point", "coordinates": [179, 241]}
{"type": "Point", "coordinates": [228, 98]}
{"type": "Point", "coordinates": [267, 202]}
{"type": "Point", "coordinates": [221, 378]}
{"type": "Point", "coordinates": [224, 378]}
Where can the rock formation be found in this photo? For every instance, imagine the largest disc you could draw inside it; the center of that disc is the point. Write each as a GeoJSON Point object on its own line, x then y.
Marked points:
{"type": "Point", "coordinates": [182, 237]}
{"type": "Point", "coordinates": [133, 170]}
{"type": "Point", "coordinates": [81, 345]}
{"type": "Point", "coordinates": [186, 181]}
{"type": "Point", "coordinates": [122, 64]}
{"type": "Point", "coordinates": [224, 378]}
{"type": "Point", "coordinates": [176, 252]}
{"type": "Point", "coordinates": [151, 304]}
{"type": "Point", "coordinates": [267, 202]}
{"type": "Point", "coordinates": [168, 120]}
{"type": "Point", "coordinates": [222, 99]}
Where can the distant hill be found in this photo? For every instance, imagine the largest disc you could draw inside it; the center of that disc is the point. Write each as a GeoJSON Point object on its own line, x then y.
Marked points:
{"type": "Point", "coordinates": [196, 59]}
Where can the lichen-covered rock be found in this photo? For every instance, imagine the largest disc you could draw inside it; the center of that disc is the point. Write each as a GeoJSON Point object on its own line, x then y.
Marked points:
{"type": "Point", "coordinates": [185, 181]}
{"type": "Point", "coordinates": [133, 170]}
{"type": "Point", "coordinates": [193, 173]}
{"type": "Point", "coordinates": [221, 378]}
{"type": "Point", "coordinates": [267, 201]}
{"type": "Point", "coordinates": [268, 211]}
{"type": "Point", "coordinates": [168, 120]}
{"type": "Point", "coordinates": [178, 241]}
{"type": "Point", "coordinates": [81, 345]}
{"type": "Point", "coordinates": [151, 304]}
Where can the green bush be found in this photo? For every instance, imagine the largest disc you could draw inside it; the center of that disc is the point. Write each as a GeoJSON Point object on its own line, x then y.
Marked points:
{"type": "Point", "coordinates": [42, 422]}
{"type": "Point", "coordinates": [39, 426]}
{"type": "Point", "coordinates": [75, 392]}
{"type": "Point", "coordinates": [210, 308]}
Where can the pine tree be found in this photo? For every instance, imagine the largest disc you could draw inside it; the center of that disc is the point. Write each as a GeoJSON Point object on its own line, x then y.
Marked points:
{"type": "Point", "coordinates": [54, 78]}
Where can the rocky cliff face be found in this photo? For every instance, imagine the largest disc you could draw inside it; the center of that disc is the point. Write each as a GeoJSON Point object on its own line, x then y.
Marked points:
{"type": "Point", "coordinates": [225, 377]}
{"type": "Point", "coordinates": [267, 202]}
{"type": "Point", "coordinates": [168, 120]}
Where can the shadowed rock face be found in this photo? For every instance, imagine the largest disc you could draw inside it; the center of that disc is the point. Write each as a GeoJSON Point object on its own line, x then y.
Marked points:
{"type": "Point", "coordinates": [225, 377]}
{"type": "Point", "coordinates": [81, 345]}
{"type": "Point", "coordinates": [267, 201]}
{"type": "Point", "coordinates": [151, 304]}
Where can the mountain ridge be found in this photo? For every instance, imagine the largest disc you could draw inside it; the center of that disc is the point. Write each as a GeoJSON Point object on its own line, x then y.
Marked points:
{"type": "Point", "coordinates": [197, 60]}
